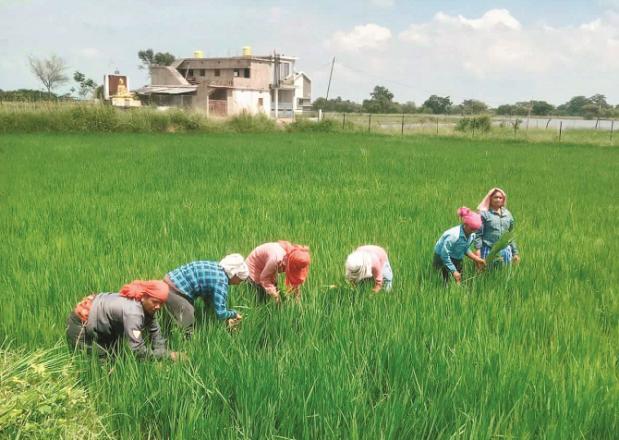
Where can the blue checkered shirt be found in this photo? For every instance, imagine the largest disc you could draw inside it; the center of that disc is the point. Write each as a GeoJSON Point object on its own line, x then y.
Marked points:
{"type": "Point", "coordinates": [204, 279]}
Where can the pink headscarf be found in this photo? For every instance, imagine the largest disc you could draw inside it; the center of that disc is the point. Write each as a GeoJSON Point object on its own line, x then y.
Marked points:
{"type": "Point", "coordinates": [485, 203]}
{"type": "Point", "coordinates": [138, 289]}
{"type": "Point", "coordinates": [470, 218]}
{"type": "Point", "coordinates": [297, 265]}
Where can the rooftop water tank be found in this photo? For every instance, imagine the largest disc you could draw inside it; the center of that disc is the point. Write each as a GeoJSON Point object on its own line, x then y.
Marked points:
{"type": "Point", "coordinates": [247, 51]}
{"type": "Point", "coordinates": [198, 54]}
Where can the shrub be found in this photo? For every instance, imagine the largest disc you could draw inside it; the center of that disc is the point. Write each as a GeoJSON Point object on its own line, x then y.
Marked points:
{"type": "Point", "coordinates": [308, 125]}
{"type": "Point", "coordinates": [247, 123]}
{"type": "Point", "coordinates": [40, 398]}
{"type": "Point", "coordinates": [479, 124]}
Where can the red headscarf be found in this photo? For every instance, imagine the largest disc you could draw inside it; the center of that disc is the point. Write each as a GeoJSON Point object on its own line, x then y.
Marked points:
{"type": "Point", "coordinates": [297, 263]}
{"type": "Point", "coordinates": [470, 218]}
{"type": "Point", "coordinates": [138, 289]}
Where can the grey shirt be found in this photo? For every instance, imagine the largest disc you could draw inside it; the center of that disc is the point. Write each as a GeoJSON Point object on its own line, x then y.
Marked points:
{"type": "Point", "coordinates": [493, 226]}
{"type": "Point", "coordinates": [113, 317]}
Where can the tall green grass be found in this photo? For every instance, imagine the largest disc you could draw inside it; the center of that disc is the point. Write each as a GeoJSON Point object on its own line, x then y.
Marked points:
{"type": "Point", "coordinates": [527, 352]}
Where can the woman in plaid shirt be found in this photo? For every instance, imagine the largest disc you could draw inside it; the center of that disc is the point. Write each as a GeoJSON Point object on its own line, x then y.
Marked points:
{"type": "Point", "coordinates": [208, 280]}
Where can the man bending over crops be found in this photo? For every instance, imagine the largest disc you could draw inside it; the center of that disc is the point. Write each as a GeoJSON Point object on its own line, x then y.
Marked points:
{"type": "Point", "coordinates": [455, 243]}
{"type": "Point", "coordinates": [368, 262]}
{"type": "Point", "coordinates": [101, 321]}
{"type": "Point", "coordinates": [208, 280]}
{"type": "Point", "coordinates": [269, 259]}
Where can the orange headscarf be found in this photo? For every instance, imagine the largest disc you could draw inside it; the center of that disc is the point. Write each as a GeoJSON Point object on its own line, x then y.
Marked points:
{"type": "Point", "coordinates": [138, 289]}
{"type": "Point", "coordinates": [297, 263]}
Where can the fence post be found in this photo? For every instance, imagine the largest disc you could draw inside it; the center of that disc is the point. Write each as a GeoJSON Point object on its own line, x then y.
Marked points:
{"type": "Point", "coordinates": [402, 124]}
{"type": "Point", "coordinates": [369, 122]}
{"type": "Point", "coordinates": [560, 130]}
{"type": "Point", "coordinates": [612, 127]}
{"type": "Point", "coordinates": [437, 125]}
{"type": "Point", "coordinates": [343, 120]}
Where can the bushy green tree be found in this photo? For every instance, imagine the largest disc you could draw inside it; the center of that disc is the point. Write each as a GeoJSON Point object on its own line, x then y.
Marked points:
{"type": "Point", "coordinates": [150, 58]}
{"type": "Point", "coordinates": [473, 107]}
{"type": "Point", "coordinates": [437, 104]}
{"type": "Point", "coordinates": [381, 101]}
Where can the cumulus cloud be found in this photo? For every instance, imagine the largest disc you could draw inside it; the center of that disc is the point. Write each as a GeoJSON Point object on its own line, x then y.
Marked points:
{"type": "Point", "coordinates": [383, 3]}
{"type": "Point", "coordinates": [368, 36]}
{"type": "Point", "coordinates": [497, 43]}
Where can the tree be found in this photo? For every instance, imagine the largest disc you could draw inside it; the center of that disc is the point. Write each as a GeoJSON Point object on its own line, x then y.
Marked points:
{"type": "Point", "coordinates": [49, 71]}
{"type": "Point", "coordinates": [505, 109]}
{"type": "Point", "coordinates": [541, 108]}
{"type": "Point", "coordinates": [336, 105]}
{"type": "Point", "coordinates": [438, 105]}
{"type": "Point", "coordinates": [473, 107]}
{"type": "Point", "coordinates": [381, 101]}
{"type": "Point", "coordinates": [87, 85]}
{"type": "Point", "coordinates": [149, 58]}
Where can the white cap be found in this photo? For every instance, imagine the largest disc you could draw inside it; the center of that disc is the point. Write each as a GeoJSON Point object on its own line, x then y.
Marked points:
{"type": "Point", "coordinates": [358, 266]}
{"type": "Point", "coordinates": [234, 265]}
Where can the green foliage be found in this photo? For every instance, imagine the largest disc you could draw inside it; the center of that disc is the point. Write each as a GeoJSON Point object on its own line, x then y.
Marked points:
{"type": "Point", "coordinates": [473, 107]}
{"type": "Point", "coordinates": [474, 124]}
{"type": "Point", "coordinates": [528, 352]}
{"type": "Point", "coordinates": [40, 397]}
{"type": "Point", "coordinates": [149, 58]}
{"type": "Point", "coordinates": [87, 86]}
{"type": "Point", "coordinates": [501, 244]}
{"type": "Point", "coordinates": [437, 105]}
{"type": "Point", "coordinates": [381, 101]}
{"type": "Point", "coordinates": [248, 123]}
{"type": "Point", "coordinates": [336, 105]}
{"type": "Point", "coordinates": [26, 95]}
{"type": "Point", "coordinates": [305, 125]}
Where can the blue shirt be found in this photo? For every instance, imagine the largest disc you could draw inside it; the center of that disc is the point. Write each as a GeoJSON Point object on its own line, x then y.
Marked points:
{"type": "Point", "coordinates": [453, 244]}
{"type": "Point", "coordinates": [204, 279]}
{"type": "Point", "coordinates": [493, 226]}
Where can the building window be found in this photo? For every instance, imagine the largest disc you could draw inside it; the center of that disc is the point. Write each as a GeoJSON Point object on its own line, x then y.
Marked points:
{"type": "Point", "coordinates": [190, 72]}
{"type": "Point", "coordinates": [202, 72]}
{"type": "Point", "coordinates": [236, 73]}
{"type": "Point", "coordinates": [260, 102]}
{"type": "Point", "coordinates": [217, 72]}
{"type": "Point", "coordinates": [246, 73]}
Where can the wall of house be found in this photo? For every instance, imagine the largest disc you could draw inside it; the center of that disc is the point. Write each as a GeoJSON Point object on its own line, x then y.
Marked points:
{"type": "Point", "coordinates": [204, 70]}
{"type": "Point", "coordinates": [164, 75]}
{"type": "Point", "coordinates": [248, 100]}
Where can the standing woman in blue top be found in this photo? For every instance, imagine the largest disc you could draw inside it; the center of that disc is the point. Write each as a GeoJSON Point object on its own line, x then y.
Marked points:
{"type": "Point", "coordinates": [496, 220]}
{"type": "Point", "coordinates": [208, 280]}
{"type": "Point", "coordinates": [455, 243]}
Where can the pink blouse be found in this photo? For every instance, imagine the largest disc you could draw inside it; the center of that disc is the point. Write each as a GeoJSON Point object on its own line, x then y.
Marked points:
{"type": "Point", "coordinates": [379, 258]}
{"type": "Point", "coordinates": [264, 264]}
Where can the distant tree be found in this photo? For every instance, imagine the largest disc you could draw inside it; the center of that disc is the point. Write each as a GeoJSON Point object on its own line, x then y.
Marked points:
{"type": "Point", "coordinates": [473, 107]}
{"type": "Point", "coordinates": [336, 105]}
{"type": "Point", "coordinates": [541, 108]}
{"type": "Point", "coordinates": [381, 101]}
{"type": "Point", "coordinates": [87, 86]}
{"type": "Point", "coordinates": [505, 109]}
{"type": "Point", "coordinates": [575, 106]}
{"type": "Point", "coordinates": [409, 107]}
{"type": "Point", "coordinates": [438, 105]}
{"type": "Point", "coordinates": [149, 58]}
{"type": "Point", "coordinates": [49, 71]}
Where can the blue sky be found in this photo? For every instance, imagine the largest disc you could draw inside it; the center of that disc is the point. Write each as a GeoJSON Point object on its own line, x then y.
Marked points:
{"type": "Point", "coordinates": [496, 51]}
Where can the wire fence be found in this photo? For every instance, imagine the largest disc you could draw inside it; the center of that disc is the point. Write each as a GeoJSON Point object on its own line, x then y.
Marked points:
{"type": "Point", "coordinates": [556, 129]}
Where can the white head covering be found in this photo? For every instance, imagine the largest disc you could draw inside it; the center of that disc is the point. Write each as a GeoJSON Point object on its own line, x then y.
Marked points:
{"type": "Point", "coordinates": [234, 264]}
{"type": "Point", "coordinates": [358, 266]}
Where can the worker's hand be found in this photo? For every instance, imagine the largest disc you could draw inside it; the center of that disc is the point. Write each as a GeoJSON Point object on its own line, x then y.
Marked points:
{"type": "Point", "coordinates": [457, 276]}
{"type": "Point", "coordinates": [516, 259]}
{"type": "Point", "coordinates": [177, 356]}
{"type": "Point", "coordinates": [234, 322]}
{"type": "Point", "coordinates": [275, 297]}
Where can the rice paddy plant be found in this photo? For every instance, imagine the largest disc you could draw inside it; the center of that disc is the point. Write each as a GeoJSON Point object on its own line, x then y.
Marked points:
{"type": "Point", "coordinates": [527, 351]}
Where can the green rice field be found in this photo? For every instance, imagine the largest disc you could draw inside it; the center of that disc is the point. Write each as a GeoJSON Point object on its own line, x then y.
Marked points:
{"type": "Point", "coordinates": [526, 352]}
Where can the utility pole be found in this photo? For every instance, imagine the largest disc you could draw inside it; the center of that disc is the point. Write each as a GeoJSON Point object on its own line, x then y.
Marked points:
{"type": "Point", "coordinates": [330, 76]}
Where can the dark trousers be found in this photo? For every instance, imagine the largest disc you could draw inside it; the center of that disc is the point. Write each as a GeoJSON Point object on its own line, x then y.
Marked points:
{"type": "Point", "coordinates": [78, 339]}
{"type": "Point", "coordinates": [182, 311]}
{"type": "Point", "coordinates": [438, 264]}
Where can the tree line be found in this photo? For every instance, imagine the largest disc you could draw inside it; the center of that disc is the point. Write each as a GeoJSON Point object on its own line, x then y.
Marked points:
{"type": "Point", "coordinates": [381, 101]}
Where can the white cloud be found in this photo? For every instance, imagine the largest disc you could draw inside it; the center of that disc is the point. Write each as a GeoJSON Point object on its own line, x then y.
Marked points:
{"type": "Point", "coordinates": [497, 45]}
{"type": "Point", "coordinates": [90, 52]}
{"type": "Point", "coordinates": [383, 3]}
{"type": "Point", "coordinates": [368, 36]}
